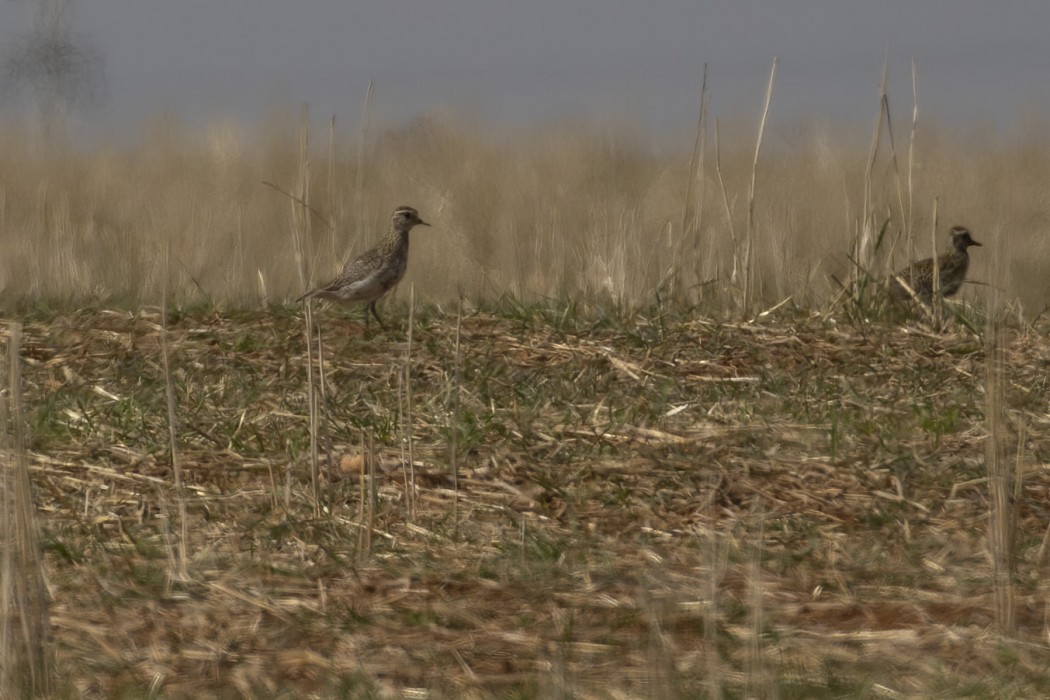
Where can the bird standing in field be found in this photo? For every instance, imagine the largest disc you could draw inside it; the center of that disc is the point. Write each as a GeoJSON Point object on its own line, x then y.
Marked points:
{"type": "Point", "coordinates": [919, 275]}
{"type": "Point", "coordinates": [375, 272]}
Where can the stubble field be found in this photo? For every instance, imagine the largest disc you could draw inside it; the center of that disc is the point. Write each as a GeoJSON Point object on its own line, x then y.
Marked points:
{"type": "Point", "coordinates": [663, 507]}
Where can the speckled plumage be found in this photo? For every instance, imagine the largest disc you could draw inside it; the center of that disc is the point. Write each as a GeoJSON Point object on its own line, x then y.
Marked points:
{"type": "Point", "coordinates": [919, 275]}
{"type": "Point", "coordinates": [375, 272]}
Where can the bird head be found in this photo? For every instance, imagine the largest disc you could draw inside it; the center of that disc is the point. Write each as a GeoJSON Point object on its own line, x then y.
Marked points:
{"type": "Point", "coordinates": [961, 238]}
{"type": "Point", "coordinates": [404, 218]}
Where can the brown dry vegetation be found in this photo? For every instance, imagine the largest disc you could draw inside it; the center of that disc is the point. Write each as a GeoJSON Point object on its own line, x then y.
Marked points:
{"type": "Point", "coordinates": [654, 498]}
{"type": "Point", "coordinates": [556, 213]}
{"type": "Point", "coordinates": [635, 501]}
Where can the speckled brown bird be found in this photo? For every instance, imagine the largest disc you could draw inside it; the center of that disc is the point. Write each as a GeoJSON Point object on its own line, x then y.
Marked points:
{"type": "Point", "coordinates": [375, 272]}
{"type": "Point", "coordinates": [919, 275]}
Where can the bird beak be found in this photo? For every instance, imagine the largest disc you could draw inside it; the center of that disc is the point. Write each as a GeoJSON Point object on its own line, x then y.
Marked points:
{"type": "Point", "coordinates": [423, 223]}
{"type": "Point", "coordinates": [972, 241]}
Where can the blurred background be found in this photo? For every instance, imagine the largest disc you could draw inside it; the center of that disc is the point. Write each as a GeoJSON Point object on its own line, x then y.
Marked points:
{"type": "Point", "coordinates": [559, 148]}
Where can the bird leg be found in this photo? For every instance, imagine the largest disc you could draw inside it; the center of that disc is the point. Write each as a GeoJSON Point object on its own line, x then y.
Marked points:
{"type": "Point", "coordinates": [372, 308]}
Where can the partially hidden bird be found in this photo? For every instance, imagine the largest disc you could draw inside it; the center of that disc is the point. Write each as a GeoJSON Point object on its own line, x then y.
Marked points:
{"type": "Point", "coordinates": [918, 276]}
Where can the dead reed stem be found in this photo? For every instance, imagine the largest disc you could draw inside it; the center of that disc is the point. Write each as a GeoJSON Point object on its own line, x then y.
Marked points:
{"type": "Point", "coordinates": [26, 666]}
{"type": "Point", "coordinates": [301, 230]}
{"type": "Point", "coordinates": [1002, 487]}
{"type": "Point", "coordinates": [331, 168]}
{"type": "Point", "coordinates": [758, 678]}
{"type": "Point", "coordinates": [694, 195]}
{"type": "Point", "coordinates": [749, 263]}
{"type": "Point", "coordinates": [910, 220]}
{"type": "Point", "coordinates": [864, 252]}
{"type": "Point", "coordinates": [362, 158]}
{"type": "Point", "coordinates": [736, 271]}
{"type": "Point", "coordinates": [370, 496]}
{"type": "Point", "coordinates": [457, 381]}
{"type": "Point", "coordinates": [935, 300]}
{"type": "Point", "coordinates": [321, 381]}
{"type": "Point", "coordinates": [660, 653]}
{"type": "Point", "coordinates": [173, 443]}
{"type": "Point", "coordinates": [898, 179]}
{"type": "Point", "coordinates": [407, 413]}
{"type": "Point", "coordinates": [362, 498]}
{"type": "Point", "coordinates": [713, 660]}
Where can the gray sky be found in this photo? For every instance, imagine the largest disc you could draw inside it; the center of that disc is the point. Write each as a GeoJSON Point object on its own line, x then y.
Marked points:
{"type": "Point", "coordinates": [979, 62]}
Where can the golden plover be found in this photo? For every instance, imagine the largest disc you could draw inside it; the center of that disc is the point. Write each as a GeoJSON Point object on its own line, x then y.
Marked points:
{"type": "Point", "coordinates": [919, 275]}
{"type": "Point", "coordinates": [375, 272]}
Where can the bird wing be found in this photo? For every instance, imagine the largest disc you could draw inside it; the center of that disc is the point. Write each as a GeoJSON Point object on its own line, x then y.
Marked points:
{"type": "Point", "coordinates": [918, 276]}
{"type": "Point", "coordinates": [355, 282]}
{"type": "Point", "coordinates": [350, 287]}
{"type": "Point", "coordinates": [363, 264]}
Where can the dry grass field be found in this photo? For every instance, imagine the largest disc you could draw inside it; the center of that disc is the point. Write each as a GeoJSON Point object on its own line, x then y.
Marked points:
{"type": "Point", "coordinates": [557, 213]}
{"type": "Point", "coordinates": [664, 507]}
{"type": "Point", "coordinates": [604, 453]}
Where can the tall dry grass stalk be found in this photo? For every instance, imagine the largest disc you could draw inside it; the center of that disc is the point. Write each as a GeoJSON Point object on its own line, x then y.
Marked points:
{"type": "Point", "coordinates": [369, 497]}
{"type": "Point", "coordinates": [728, 207]}
{"type": "Point", "coordinates": [759, 678]}
{"type": "Point", "coordinates": [936, 303]}
{"type": "Point", "coordinates": [407, 413]}
{"type": "Point", "coordinates": [26, 665]}
{"type": "Point", "coordinates": [1002, 471]}
{"type": "Point", "coordinates": [749, 246]}
{"type": "Point", "coordinates": [181, 572]}
{"type": "Point", "coordinates": [873, 257]}
{"type": "Point", "coordinates": [693, 204]}
{"type": "Point", "coordinates": [713, 659]}
{"type": "Point", "coordinates": [332, 200]}
{"type": "Point", "coordinates": [360, 217]}
{"type": "Point", "coordinates": [898, 179]}
{"type": "Point", "coordinates": [865, 248]}
{"type": "Point", "coordinates": [661, 682]}
{"type": "Point", "coordinates": [457, 385]}
{"type": "Point", "coordinates": [302, 235]}
{"type": "Point", "coordinates": [909, 222]}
